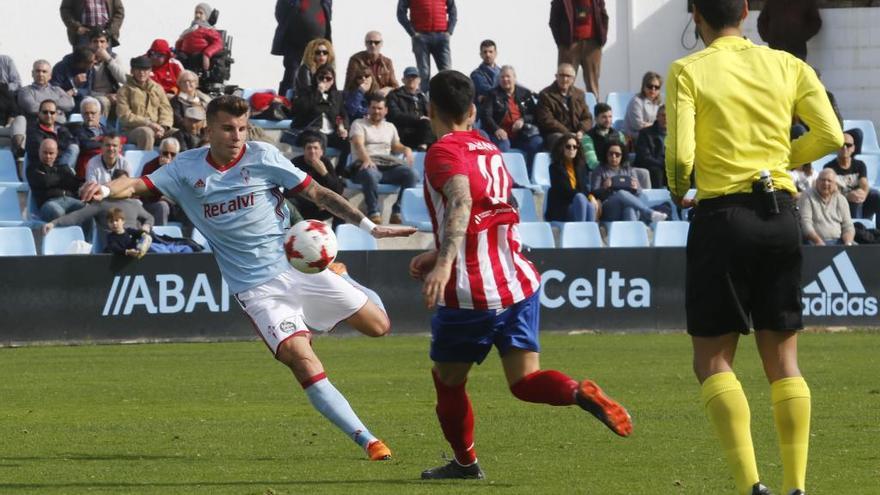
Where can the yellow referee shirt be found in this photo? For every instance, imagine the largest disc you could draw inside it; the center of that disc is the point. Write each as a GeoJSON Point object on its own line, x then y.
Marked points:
{"type": "Point", "coordinates": [729, 111]}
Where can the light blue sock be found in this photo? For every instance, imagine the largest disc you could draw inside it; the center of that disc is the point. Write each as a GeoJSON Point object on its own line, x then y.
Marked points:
{"type": "Point", "coordinates": [371, 294]}
{"type": "Point", "coordinates": [330, 403]}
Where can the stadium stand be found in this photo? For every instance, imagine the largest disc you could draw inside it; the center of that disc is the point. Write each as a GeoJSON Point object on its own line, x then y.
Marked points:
{"type": "Point", "coordinates": [58, 240]}
{"type": "Point", "coordinates": [536, 235]}
{"type": "Point", "coordinates": [541, 170]}
{"type": "Point", "coordinates": [10, 211]}
{"type": "Point", "coordinates": [17, 241]}
{"type": "Point", "coordinates": [413, 209]}
{"type": "Point", "coordinates": [671, 234]}
{"type": "Point", "coordinates": [870, 145]}
{"type": "Point", "coordinates": [580, 235]}
{"type": "Point", "coordinates": [627, 234]}
{"type": "Point", "coordinates": [526, 202]}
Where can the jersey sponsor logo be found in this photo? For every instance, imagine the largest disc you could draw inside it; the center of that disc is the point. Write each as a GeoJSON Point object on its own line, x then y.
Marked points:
{"type": "Point", "coordinates": [166, 293]}
{"type": "Point", "coordinates": [838, 291]}
{"type": "Point", "coordinates": [481, 146]}
{"type": "Point", "coordinates": [604, 290]}
{"type": "Point", "coordinates": [200, 184]}
{"type": "Point", "coordinates": [240, 202]}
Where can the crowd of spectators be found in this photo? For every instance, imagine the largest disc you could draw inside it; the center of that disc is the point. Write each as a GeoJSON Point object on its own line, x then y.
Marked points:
{"type": "Point", "coordinates": [366, 127]}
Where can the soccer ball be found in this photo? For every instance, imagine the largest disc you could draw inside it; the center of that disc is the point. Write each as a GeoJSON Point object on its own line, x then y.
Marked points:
{"type": "Point", "coordinates": [310, 246]}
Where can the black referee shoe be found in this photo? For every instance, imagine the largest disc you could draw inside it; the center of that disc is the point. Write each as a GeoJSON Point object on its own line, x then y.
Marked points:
{"type": "Point", "coordinates": [797, 491]}
{"type": "Point", "coordinates": [760, 489]}
{"type": "Point", "coordinates": [454, 470]}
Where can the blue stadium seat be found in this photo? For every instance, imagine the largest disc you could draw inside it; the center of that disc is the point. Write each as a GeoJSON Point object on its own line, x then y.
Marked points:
{"type": "Point", "coordinates": [419, 164]}
{"type": "Point", "coordinates": [668, 234]}
{"type": "Point", "coordinates": [541, 169]}
{"type": "Point", "coordinates": [17, 241]}
{"type": "Point", "coordinates": [526, 202]}
{"type": "Point", "coordinates": [414, 210]}
{"type": "Point", "coordinates": [869, 141]}
{"type": "Point", "coordinates": [618, 125]}
{"type": "Point", "coordinates": [75, 118]}
{"type": "Point", "coordinates": [872, 163]}
{"type": "Point", "coordinates": [8, 171]}
{"type": "Point", "coordinates": [139, 158]}
{"type": "Point", "coordinates": [627, 234]}
{"type": "Point", "coordinates": [655, 197]}
{"type": "Point", "coordinates": [618, 100]}
{"type": "Point", "coordinates": [169, 230]}
{"type": "Point", "coordinates": [58, 240]}
{"type": "Point", "coordinates": [869, 224]}
{"type": "Point", "coordinates": [580, 235]}
{"type": "Point", "coordinates": [10, 211]}
{"type": "Point", "coordinates": [352, 238]}
{"type": "Point", "coordinates": [516, 167]}
{"type": "Point", "coordinates": [536, 235]}
{"type": "Point", "coordinates": [382, 189]}
{"type": "Point", "coordinates": [198, 237]}
{"type": "Point", "coordinates": [591, 101]}
{"type": "Point", "coordinates": [271, 124]}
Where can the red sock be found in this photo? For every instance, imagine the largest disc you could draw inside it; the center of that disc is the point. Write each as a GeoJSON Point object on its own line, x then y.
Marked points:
{"type": "Point", "coordinates": [456, 420]}
{"type": "Point", "coordinates": [546, 387]}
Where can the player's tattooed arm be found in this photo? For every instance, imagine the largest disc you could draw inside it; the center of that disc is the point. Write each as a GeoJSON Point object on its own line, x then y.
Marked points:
{"type": "Point", "coordinates": [332, 202]}
{"type": "Point", "coordinates": [458, 215]}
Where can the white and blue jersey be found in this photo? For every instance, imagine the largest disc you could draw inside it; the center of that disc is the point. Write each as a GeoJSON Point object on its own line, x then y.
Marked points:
{"type": "Point", "coordinates": [239, 207]}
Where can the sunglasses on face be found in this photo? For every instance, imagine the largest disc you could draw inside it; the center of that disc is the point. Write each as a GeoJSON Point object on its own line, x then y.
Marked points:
{"type": "Point", "coordinates": [374, 42]}
{"type": "Point", "coordinates": [849, 145]}
{"type": "Point", "coordinates": [653, 86]}
{"type": "Point", "coordinates": [566, 76]}
{"type": "Point", "coordinates": [364, 76]}
{"type": "Point", "coordinates": [169, 154]}
{"type": "Point", "coordinates": [571, 146]}
{"type": "Point", "coordinates": [614, 154]}
{"type": "Point", "coordinates": [319, 53]}
{"type": "Point", "coordinates": [326, 79]}
{"type": "Point", "coordinates": [47, 112]}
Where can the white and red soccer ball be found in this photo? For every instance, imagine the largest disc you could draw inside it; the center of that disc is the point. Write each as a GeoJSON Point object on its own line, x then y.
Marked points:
{"type": "Point", "coordinates": [310, 246]}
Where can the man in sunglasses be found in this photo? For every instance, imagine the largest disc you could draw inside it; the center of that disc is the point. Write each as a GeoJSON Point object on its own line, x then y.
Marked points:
{"type": "Point", "coordinates": [47, 127]}
{"type": "Point", "coordinates": [382, 67]}
{"type": "Point", "coordinates": [744, 246]}
{"type": "Point", "coordinates": [852, 179]}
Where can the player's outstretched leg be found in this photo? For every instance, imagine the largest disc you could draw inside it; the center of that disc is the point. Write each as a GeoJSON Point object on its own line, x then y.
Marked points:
{"type": "Point", "coordinates": [457, 422]}
{"type": "Point", "coordinates": [297, 354]}
{"type": "Point", "coordinates": [341, 270]}
{"type": "Point", "coordinates": [531, 384]}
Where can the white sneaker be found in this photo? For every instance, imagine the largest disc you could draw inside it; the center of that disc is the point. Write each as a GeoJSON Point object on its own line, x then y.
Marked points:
{"type": "Point", "coordinates": [658, 216]}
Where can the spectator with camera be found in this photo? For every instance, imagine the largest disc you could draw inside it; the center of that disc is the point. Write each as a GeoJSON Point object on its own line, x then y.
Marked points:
{"type": "Point", "coordinates": [408, 111]}
{"type": "Point", "coordinates": [507, 114]}
{"type": "Point", "coordinates": [615, 184]}
{"type": "Point", "coordinates": [142, 107]}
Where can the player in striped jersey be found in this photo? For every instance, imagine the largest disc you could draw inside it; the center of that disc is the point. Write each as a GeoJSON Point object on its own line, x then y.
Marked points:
{"type": "Point", "coordinates": [485, 289]}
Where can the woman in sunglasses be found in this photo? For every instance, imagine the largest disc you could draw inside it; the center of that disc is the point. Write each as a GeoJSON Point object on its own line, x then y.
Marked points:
{"type": "Point", "coordinates": [318, 52]}
{"type": "Point", "coordinates": [319, 110]}
{"type": "Point", "coordinates": [642, 109]}
{"type": "Point", "coordinates": [615, 183]}
{"type": "Point", "coordinates": [569, 198]}
{"type": "Point", "coordinates": [356, 93]}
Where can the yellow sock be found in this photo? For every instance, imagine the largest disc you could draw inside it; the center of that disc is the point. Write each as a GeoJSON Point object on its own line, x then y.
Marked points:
{"type": "Point", "coordinates": [728, 410]}
{"type": "Point", "coordinates": [791, 412]}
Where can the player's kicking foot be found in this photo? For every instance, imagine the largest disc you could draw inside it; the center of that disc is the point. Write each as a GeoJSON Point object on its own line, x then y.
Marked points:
{"type": "Point", "coordinates": [760, 489]}
{"type": "Point", "coordinates": [378, 451]}
{"type": "Point", "coordinates": [454, 470]}
{"type": "Point", "coordinates": [591, 399]}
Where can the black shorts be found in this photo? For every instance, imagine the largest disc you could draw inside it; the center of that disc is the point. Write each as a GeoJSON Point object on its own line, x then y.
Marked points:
{"type": "Point", "coordinates": [743, 267]}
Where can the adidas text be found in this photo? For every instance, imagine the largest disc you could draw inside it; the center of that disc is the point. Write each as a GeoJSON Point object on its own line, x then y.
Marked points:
{"type": "Point", "coordinates": [838, 291]}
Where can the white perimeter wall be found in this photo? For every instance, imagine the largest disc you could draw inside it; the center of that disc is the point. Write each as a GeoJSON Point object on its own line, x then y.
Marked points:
{"type": "Point", "coordinates": [644, 35]}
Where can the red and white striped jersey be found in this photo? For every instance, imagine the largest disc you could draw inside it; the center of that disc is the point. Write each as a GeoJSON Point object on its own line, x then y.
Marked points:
{"type": "Point", "coordinates": [490, 272]}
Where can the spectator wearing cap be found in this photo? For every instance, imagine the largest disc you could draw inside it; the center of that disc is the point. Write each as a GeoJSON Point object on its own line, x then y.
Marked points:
{"type": "Point", "coordinates": [101, 167]}
{"type": "Point", "coordinates": [192, 134]}
{"type": "Point", "coordinates": [430, 24]}
{"type": "Point", "coordinates": [299, 23]}
{"type": "Point", "coordinates": [142, 107]}
{"type": "Point", "coordinates": [381, 66]}
{"type": "Point", "coordinates": [108, 75]}
{"type": "Point", "coordinates": [166, 68]}
{"type": "Point", "coordinates": [82, 16]}
{"type": "Point", "coordinates": [200, 38]}
{"type": "Point", "coordinates": [485, 77]}
{"type": "Point", "coordinates": [47, 127]}
{"type": "Point", "coordinates": [408, 111]}
{"type": "Point", "coordinates": [29, 97]}
{"type": "Point", "coordinates": [188, 95]}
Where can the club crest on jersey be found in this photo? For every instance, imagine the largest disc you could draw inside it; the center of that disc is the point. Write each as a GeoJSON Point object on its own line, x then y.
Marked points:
{"type": "Point", "coordinates": [200, 184]}
{"type": "Point", "coordinates": [245, 175]}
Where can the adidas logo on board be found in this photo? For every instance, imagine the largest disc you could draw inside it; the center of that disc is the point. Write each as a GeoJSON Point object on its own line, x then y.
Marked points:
{"type": "Point", "coordinates": [838, 291]}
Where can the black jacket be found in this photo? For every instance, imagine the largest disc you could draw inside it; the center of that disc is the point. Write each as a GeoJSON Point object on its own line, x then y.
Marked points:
{"type": "Point", "coordinates": [36, 134]}
{"type": "Point", "coordinates": [294, 30]}
{"type": "Point", "coordinates": [309, 106]}
{"type": "Point", "coordinates": [561, 193]}
{"type": "Point", "coordinates": [330, 180]}
{"type": "Point", "coordinates": [404, 109]}
{"type": "Point", "coordinates": [494, 107]}
{"type": "Point", "coordinates": [8, 105]}
{"type": "Point", "coordinates": [52, 182]}
{"type": "Point", "coordinates": [651, 147]}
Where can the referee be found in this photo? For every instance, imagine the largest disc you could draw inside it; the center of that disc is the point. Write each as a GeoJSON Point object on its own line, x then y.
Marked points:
{"type": "Point", "coordinates": [729, 110]}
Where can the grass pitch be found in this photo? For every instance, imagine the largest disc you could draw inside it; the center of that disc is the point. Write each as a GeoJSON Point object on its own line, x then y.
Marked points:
{"type": "Point", "coordinates": [224, 418]}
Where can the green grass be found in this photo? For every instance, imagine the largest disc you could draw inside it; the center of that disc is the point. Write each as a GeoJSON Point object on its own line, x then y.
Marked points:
{"type": "Point", "coordinates": [225, 418]}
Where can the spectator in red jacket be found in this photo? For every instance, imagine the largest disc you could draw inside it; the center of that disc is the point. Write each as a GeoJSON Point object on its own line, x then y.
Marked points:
{"type": "Point", "coordinates": [200, 38]}
{"type": "Point", "coordinates": [430, 24]}
{"type": "Point", "coordinates": [166, 69]}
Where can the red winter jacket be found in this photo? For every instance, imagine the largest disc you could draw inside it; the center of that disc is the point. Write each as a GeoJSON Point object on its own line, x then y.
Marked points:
{"type": "Point", "coordinates": [428, 16]}
{"type": "Point", "coordinates": [204, 41]}
{"type": "Point", "coordinates": [166, 74]}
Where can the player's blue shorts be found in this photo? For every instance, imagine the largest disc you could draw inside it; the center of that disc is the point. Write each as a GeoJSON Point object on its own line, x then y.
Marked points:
{"type": "Point", "coordinates": [467, 335]}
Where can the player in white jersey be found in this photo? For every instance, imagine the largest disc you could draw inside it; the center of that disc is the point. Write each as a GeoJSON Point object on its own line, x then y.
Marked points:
{"type": "Point", "coordinates": [233, 192]}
